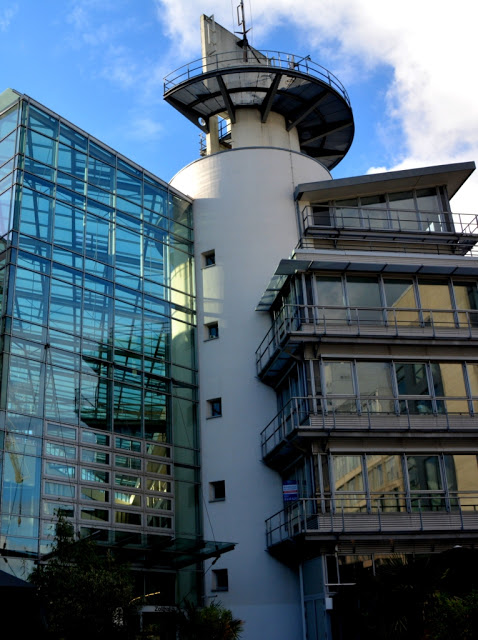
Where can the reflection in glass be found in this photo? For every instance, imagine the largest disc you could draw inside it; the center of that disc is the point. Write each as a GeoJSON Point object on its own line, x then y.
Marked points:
{"type": "Point", "coordinates": [400, 294]}
{"type": "Point", "coordinates": [349, 484]}
{"type": "Point", "coordinates": [412, 381]}
{"type": "Point", "coordinates": [339, 382]}
{"type": "Point", "coordinates": [435, 294]}
{"type": "Point", "coordinates": [364, 292]}
{"type": "Point", "coordinates": [425, 477]}
{"type": "Point", "coordinates": [375, 387]}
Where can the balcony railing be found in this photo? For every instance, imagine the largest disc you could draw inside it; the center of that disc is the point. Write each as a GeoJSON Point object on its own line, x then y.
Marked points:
{"type": "Point", "coordinates": [385, 322]}
{"type": "Point", "coordinates": [334, 413]}
{"type": "Point", "coordinates": [321, 219]}
{"type": "Point", "coordinates": [265, 58]}
{"type": "Point", "coordinates": [389, 513]}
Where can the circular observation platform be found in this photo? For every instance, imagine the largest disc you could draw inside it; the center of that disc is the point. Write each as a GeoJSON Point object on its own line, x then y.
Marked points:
{"type": "Point", "coordinates": [308, 96]}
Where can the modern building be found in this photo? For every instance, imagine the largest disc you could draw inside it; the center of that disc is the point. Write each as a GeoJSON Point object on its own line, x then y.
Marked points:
{"type": "Point", "coordinates": [299, 380]}
{"type": "Point", "coordinates": [99, 370]}
{"type": "Point", "coordinates": [352, 430]}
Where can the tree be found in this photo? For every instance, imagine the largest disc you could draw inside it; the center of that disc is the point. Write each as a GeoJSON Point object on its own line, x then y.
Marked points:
{"type": "Point", "coordinates": [85, 593]}
{"type": "Point", "coordinates": [213, 622]}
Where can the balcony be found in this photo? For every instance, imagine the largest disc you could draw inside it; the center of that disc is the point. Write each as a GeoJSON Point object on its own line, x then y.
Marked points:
{"type": "Point", "coordinates": [425, 516]}
{"type": "Point", "coordinates": [409, 230]}
{"type": "Point", "coordinates": [311, 99]}
{"type": "Point", "coordinates": [310, 417]}
{"type": "Point", "coordinates": [297, 324]}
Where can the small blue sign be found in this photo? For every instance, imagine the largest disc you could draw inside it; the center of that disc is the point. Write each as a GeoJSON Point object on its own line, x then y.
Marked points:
{"type": "Point", "coordinates": [290, 491]}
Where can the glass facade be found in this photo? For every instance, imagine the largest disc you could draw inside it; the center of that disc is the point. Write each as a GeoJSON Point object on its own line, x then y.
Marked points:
{"type": "Point", "coordinates": [99, 378]}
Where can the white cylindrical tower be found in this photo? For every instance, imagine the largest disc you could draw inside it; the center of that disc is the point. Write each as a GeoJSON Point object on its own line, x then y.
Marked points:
{"type": "Point", "coordinates": [280, 134]}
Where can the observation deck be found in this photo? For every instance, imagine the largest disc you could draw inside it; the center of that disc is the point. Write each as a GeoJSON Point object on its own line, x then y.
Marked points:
{"type": "Point", "coordinates": [307, 95]}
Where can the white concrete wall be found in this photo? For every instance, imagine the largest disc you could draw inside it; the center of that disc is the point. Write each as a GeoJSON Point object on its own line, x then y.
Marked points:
{"type": "Point", "coordinates": [244, 211]}
{"type": "Point", "coordinates": [249, 131]}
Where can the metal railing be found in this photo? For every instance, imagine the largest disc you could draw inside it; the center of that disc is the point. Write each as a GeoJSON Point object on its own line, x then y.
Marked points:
{"type": "Point", "coordinates": [349, 321]}
{"type": "Point", "coordinates": [389, 512]}
{"type": "Point", "coordinates": [373, 219]}
{"type": "Point", "coordinates": [373, 413]}
{"type": "Point", "coordinates": [263, 58]}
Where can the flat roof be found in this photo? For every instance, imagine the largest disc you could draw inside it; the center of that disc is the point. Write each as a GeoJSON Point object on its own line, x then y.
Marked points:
{"type": "Point", "coordinates": [451, 175]}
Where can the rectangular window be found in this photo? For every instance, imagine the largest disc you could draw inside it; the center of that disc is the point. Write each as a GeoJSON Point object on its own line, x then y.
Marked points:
{"type": "Point", "coordinates": [124, 517]}
{"type": "Point", "coordinates": [60, 450]}
{"type": "Point", "coordinates": [57, 489]}
{"type": "Point", "coordinates": [214, 408]}
{"type": "Point", "coordinates": [95, 514]}
{"type": "Point", "coordinates": [212, 331]}
{"type": "Point", "coordinates": [95, 457]}
{"type": "Point", "coordinates": [92, 493]}
{"type": "Point", "coordinates": [220, 580]}
{"type": "Point", "coordinates": [128, 463]}
{"type": "Point", "coordinates": [217, 491]}
{"type": "Point", "coordinates": [95, 438]}
{"type": "Point", "coordinates": [209, 258]}
{"type": "Point", "coordinates": [94, 475]}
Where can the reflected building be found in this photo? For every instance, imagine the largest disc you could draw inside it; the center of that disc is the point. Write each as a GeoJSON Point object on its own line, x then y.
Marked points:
{"type": "Point", "coordinates": [99, 370]}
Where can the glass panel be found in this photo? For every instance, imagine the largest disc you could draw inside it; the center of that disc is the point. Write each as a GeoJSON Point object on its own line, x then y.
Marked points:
{"type": "Point", "coordinates": [158, 467]}
{"type": "Point", "coordinates": [97, 239]}
{"type": "Point", "coordinates": [92, 493]}
{"type": "Point", "coordinates": [339, 382]}
{"type": "Point", "coordinates": [400, 294]}
{"type": "Point", "coordinates": [72, 161]}
{"type": "Point", "coordinates": [466, 297]}
{"type": "Point", "coordinates": [60, 470]}
{"type": "Point", "coordinates": [101, 175]}
{"type": "Point", "coordinates": [128, 445]}
{"type": "Point", "coordinates": [42, 122]}
{"type": "Point", "coordinates": [158, 521]}
{"type": "Point", "coordinates": [8, 121]}
{"type": "Point", "coordinates": [435, 294]}
{"type": "Point", "coordinates": [7, 147]}
{"type": "Point", "coordinates": [330, 293]}
{"type": "Point", "coordinates": [94, 514]}
{"type": "Point", "coordinates": [462, 476]}
{"type": "Point", "coordinates": [127, 499]}
{"type": "Point", "coordinates": [158, 503]}
{"type": "Point", "coordinates": [40, 148]}
{"type": "Point", "coordinates": [36, 215]}
{"type": "Point", "coordinates": [97, 317]}
{"type": "Point", "coordinates": [403, 212]}
{"type": "Point", "coordinates": [375, 387]}
{"type": "Point", "coordinates": [73, 138]}
{"type": "Point", "coordinates": [61, 432]}
{"type": "Point", "coordinates": [95, 457]}
{"type": "Point", "coordinates": [57, 509]}
{"type": "Point", "coordinates": [94, 475]}
{"type": "Point", "coordinates": [122, 517]}
{"type": "Point", "coordinates": [425, 477]}
{"type": "Point", "coordinates": [347, 213]}
{"type": "Point", "coordinates": [386, 482]}
{"type": "Point", "coordinates": [128, 250]}
{"type": "Point", "coordinates": [348, 478]}
{"type": "Point", "coordinates": [364, 292]}
{"type": "Point", "coordinates": [129, 187]}
{"type": "Point", "coordinates": [25, 392]}
{"type": "Point", "coordinates": [21, 482]}
{"type": "Point", "coordinates": [60, 490]}
{"type": "Point", "coordinates": [127, 481]}
{"type": "Point", "coordinates": [95, 438]}
{"type": "Point", "coordinates": [374, 212]}
{"type": "Point", "coordinates": [429, 209]}
{"type": "Point", "coordinates": [60, 450]}
{"type": "Point", "coordinates": [128, 463]}
{"type": "Point", "coordinates": [65, 306]}
{"type": "Point", "coordinates": [412, 381]}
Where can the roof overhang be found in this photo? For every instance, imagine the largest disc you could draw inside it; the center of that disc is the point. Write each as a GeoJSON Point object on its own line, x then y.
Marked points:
{"type": "Point", "coordinates": [451, 175]}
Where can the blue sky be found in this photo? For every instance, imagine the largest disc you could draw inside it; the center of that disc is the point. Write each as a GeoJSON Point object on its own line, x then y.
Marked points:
{"type": "Point", "coordinates": [101, 63]}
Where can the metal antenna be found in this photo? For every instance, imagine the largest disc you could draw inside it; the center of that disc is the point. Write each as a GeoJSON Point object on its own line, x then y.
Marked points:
{"type": "Point", "coordinates": [241, 21]}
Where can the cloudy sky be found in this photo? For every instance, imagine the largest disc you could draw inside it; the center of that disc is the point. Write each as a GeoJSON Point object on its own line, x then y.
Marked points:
{"type": "Point", "coordinates": [409, 68]}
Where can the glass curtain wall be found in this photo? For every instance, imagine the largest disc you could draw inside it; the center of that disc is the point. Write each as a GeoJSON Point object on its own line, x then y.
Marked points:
{"type": "Point", "coordinates": [99, 380]}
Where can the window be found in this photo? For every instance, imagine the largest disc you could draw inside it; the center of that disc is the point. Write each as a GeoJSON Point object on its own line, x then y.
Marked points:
{"type": "Point", "coordinates": [217, 491]}
{"type": "Point", "coordinates": [220, 580]}
{"type": "Point", "coordinates": [214, 408]}
{"type": "Point", "coordinates": [209, 258]}
{"type": "Point", "coordinates": [212, 331]}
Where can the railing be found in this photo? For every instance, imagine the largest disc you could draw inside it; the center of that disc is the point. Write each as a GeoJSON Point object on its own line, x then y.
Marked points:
{"type": "Point", "coordinates": [387, 322]}
{"type": "Point", "coordinates": [389, 513]}
{"type": "Point", "coordinates": [323, 218]}
{"type": "Point", "coordinates": [341, 413]}
{"type": "Point", "coordinates": [265, 58]}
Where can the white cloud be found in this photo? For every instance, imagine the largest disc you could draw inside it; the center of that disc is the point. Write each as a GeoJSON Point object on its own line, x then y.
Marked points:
{"type": "Point", "coordinates": [6, 16]}
{"type": "Point", "coordinates": [431, 101]}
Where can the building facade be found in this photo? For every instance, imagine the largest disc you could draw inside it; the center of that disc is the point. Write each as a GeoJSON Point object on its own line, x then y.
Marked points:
{"type": "Point", "coordinates": [332, 326]}
{"type": "Point", "coordinates": [353, 435]}
{"type": "Point", "coordinates": [99, 370]}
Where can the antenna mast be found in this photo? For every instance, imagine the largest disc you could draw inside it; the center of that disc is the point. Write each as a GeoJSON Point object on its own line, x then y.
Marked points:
{"type": "Point", "coordinates": [241, 21]}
